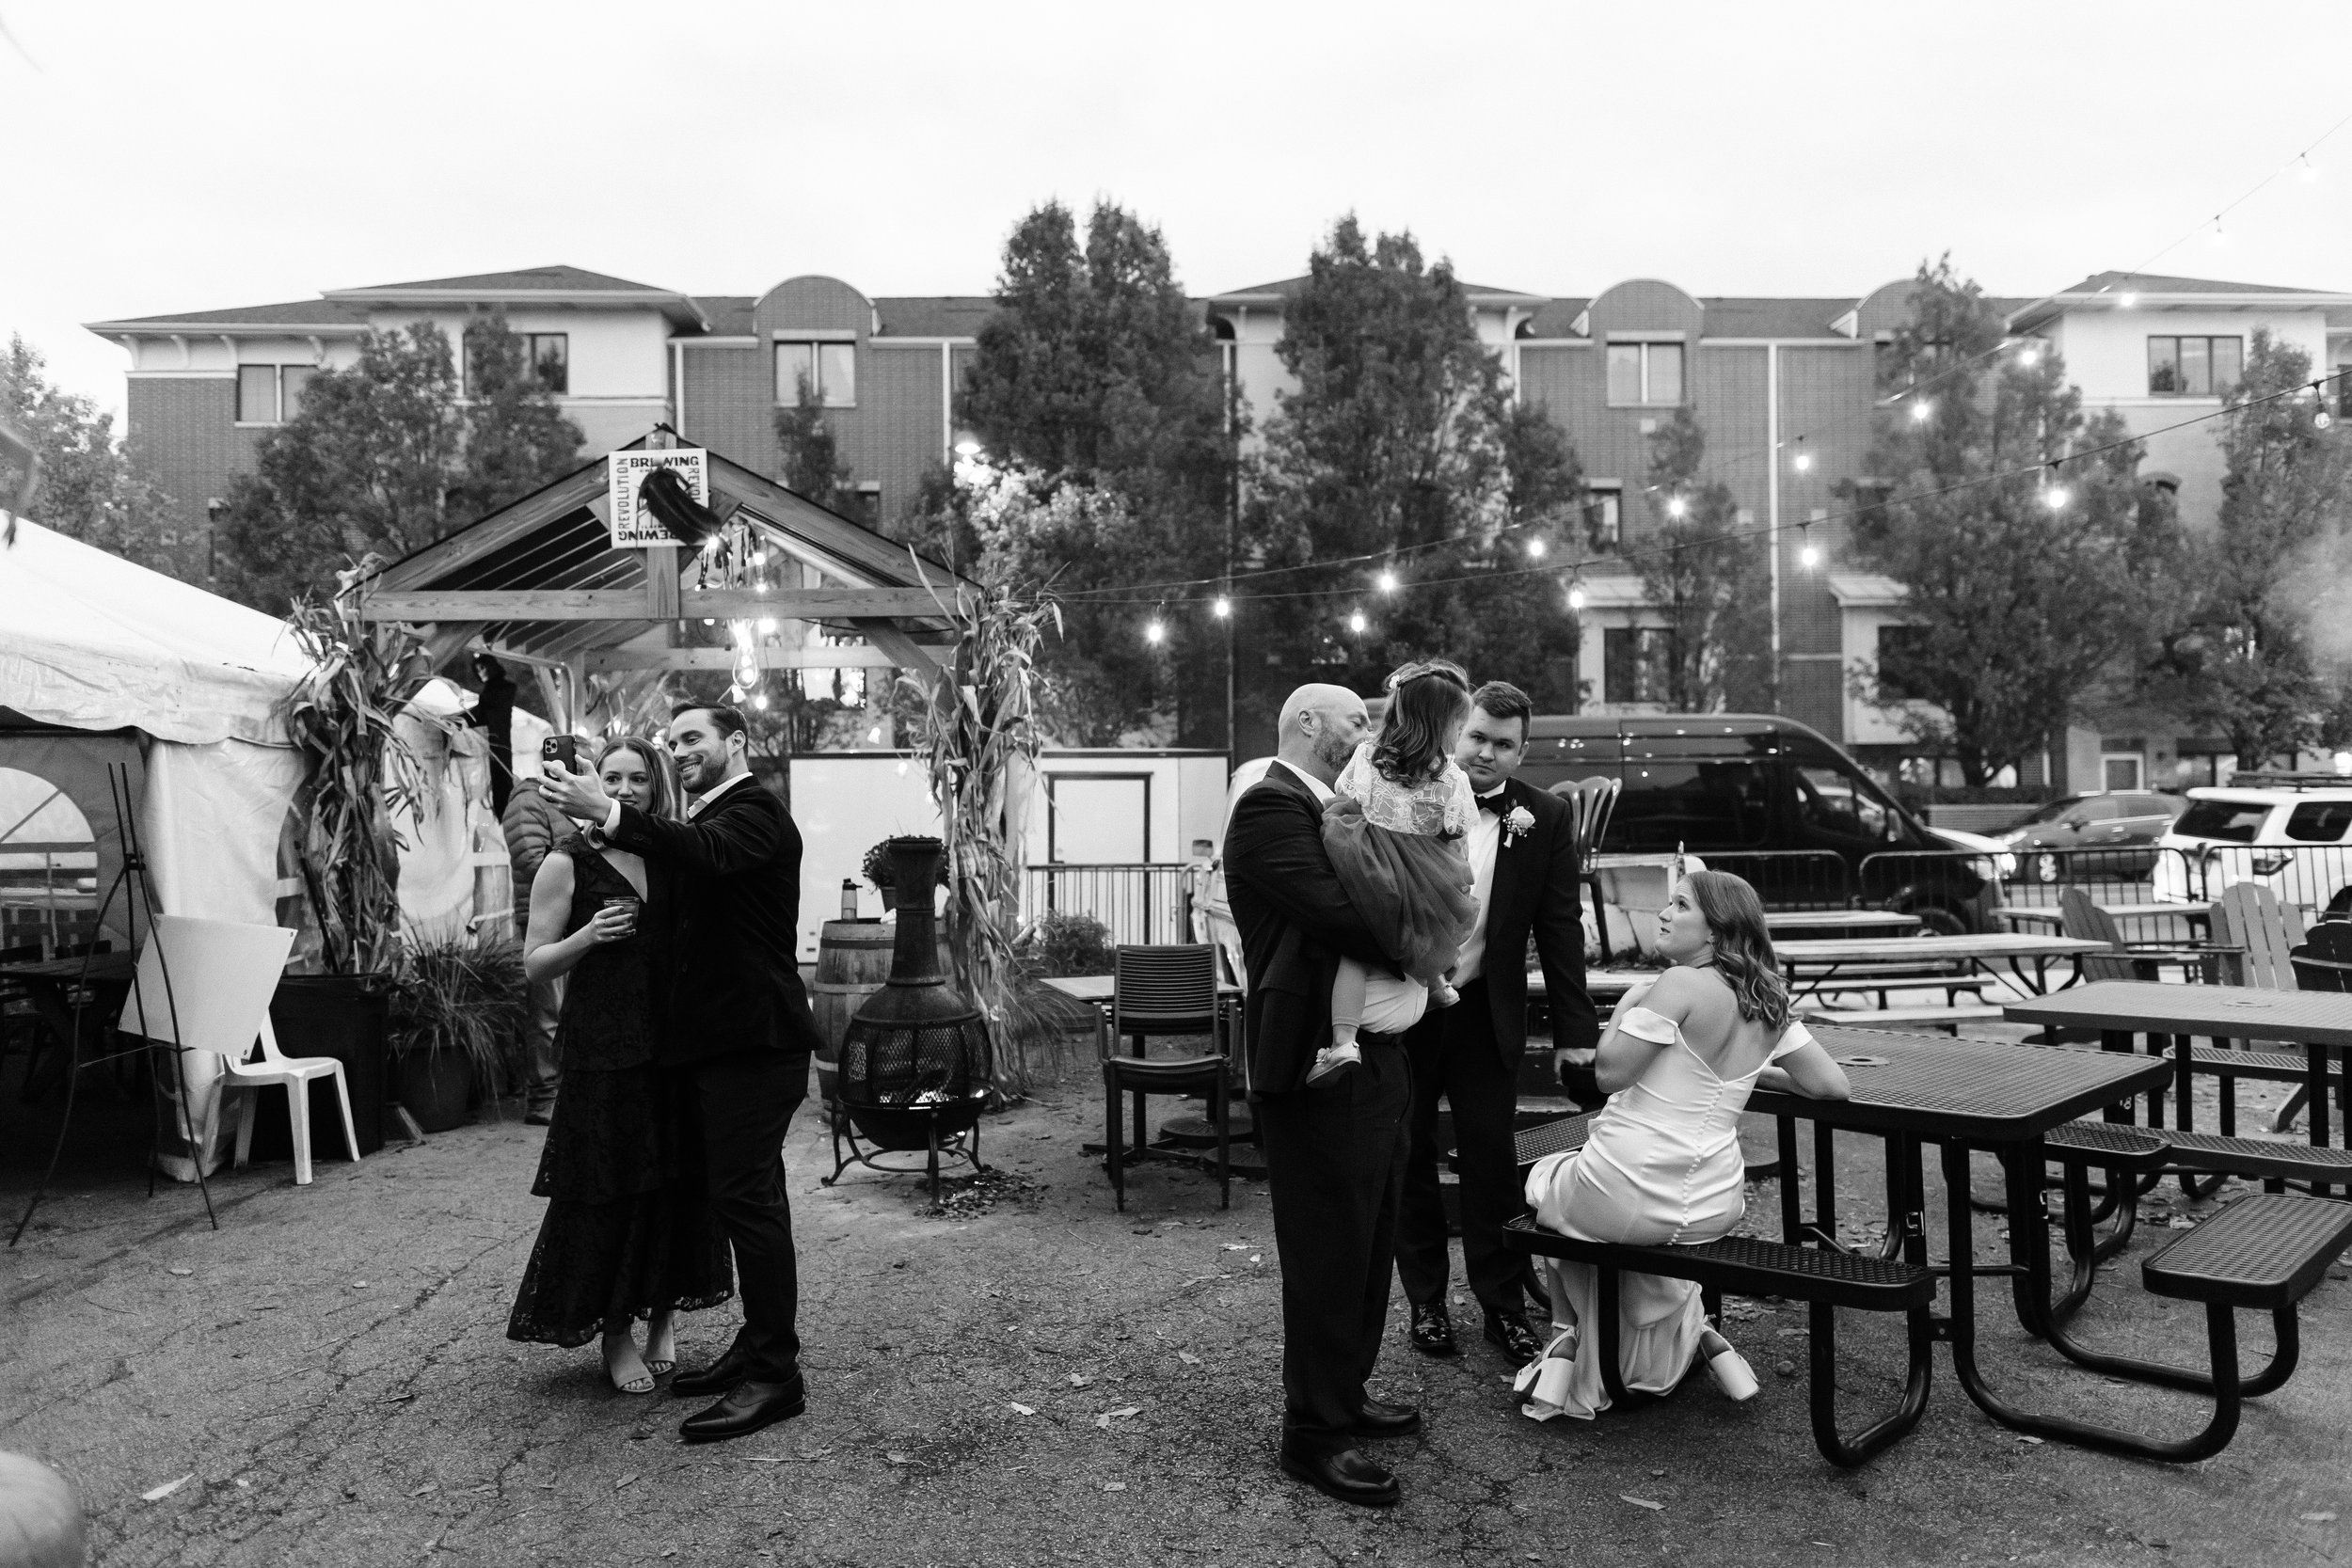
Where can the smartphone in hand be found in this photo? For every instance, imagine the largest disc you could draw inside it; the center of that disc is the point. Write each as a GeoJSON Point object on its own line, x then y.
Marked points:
{"type": "Point", "coordinates": [563, 748]}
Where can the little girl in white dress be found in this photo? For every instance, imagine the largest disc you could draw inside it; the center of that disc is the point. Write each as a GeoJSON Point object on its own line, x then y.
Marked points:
{"type": "Point", "coordinates": [1661, 1164]}
{"type": "Point", "coordinates": [1395, 829]}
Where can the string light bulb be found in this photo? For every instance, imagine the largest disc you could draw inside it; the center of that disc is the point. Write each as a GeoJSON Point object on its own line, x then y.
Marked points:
{"type": "Point", "coordinates": [1677, 506]}
{"type": "Point", "coordinates": [1804, 459]}
{"type": "Point", "coordinates": [1576, 597]}
{"type": "Point", "coordinates": [1536, 549]}
{"type": "Point", "coordinates": [1155, 631]}
{"type": "Point", "coordinates": [2128, 299]}
{"type": "Point", "coordinates": [1386, 581]}
{"type": "Point", "coordinates": [1922, 411]}
{"type": "Point", "coordinates": [1808, 553]}
{"type": "Point", "coordinates": [1222, 608]}
{"type": "Point", "coordinates": [2054, 493]}
{"type": "Point", "coordinates": [2321, 418]}
{"type": "Point", "coordinates": [761, 702]}
{"type": "Point", "coordinates": [1356, 622]}
{"type": "Point", "coordinates": [2029, 356]}
{"type": "Point", "coordinates": [767, 625]}
{"type": "Point", "coordinates": [2308, 173]}
{"type": "Point", "coordinates": [2219, 237]}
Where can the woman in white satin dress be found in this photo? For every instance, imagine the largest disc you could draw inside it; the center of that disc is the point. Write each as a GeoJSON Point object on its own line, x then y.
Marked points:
{"type": "Point", "coordinates": [1661, 1164]}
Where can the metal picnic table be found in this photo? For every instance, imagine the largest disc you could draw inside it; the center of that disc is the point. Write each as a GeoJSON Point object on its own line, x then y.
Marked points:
{"type": "Point", "coordinates": [1823, 960]}
{"type": "Point", "coordinates": [1794, 921]}
{"type": "Point", "coordinates": [2194, 913]}
{"type": "Point", "coordinates": [1962, 1094]}
{"type": "Point", "coordinates": [2319, 1022]}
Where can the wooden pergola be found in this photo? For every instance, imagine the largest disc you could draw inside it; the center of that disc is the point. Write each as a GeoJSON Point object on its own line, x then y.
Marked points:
{"type": "Point", "coordinates": [539, 582]}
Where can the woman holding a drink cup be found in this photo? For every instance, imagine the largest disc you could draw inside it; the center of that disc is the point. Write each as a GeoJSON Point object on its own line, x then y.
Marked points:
{"type": "Point", "coordinates": [628, 1232]}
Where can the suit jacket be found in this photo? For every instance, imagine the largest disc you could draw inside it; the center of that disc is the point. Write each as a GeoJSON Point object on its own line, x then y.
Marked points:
{"type": "Point", "coordinates": [1536, 893]}
{"type": "Point", "coordinates": [733, 875]}
{"type": "Point", "coordinates": [1296, 922]}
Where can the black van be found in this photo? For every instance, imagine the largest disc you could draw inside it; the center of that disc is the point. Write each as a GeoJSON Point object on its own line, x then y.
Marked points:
{"type": "Point", "coordinates": [1772, 800]}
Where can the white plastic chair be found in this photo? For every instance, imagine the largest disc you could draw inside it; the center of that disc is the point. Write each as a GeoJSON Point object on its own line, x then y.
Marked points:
{"type": "Point", "coordinates": [205, 985]}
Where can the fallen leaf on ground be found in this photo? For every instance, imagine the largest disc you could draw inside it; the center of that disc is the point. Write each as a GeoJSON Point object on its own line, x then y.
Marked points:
{"type": "Point", "coordinates": [2035, 1441]}
{"type": "Point", "coordinates": [763, 1459]}
{"type": "Point", "coordinates": [1021, 1410]}
{"type": "Point", "coordinates": [1079, 1380]}
{"type": "Point", "coordinates": [1114, 1487]}
{"type": "Point", "coordinates": [158, 1494]}
{"type": "Point", "coordinates": [1237, 1246]}
{"type": "Point", "coordinates": [1130, 1410]}
{"type": "Point", "coordinates": [1257, 1257]}
{"type": "Point", "coordinates": [1640, 1502]}
{"type": "Point", "coordinates": [183, 1272]}
{"type": "Point", "coordinates": [628, 1480]}
{"type": "Point", "coordinates": [428, 1486]}
{"type": "Point", "coordinates": [2319, 1518]}
{"type": "Point", "coordinates": [1187, 1359]}
{"type": "Point", "coordinates": [896, 1457]}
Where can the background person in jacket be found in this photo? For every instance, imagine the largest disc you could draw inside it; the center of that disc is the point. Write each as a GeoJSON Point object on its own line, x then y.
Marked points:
{"type": "Point", "coordinates": [533, 829]}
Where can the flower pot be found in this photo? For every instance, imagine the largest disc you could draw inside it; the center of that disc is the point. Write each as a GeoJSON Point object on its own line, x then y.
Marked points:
{"type": "Point", "coordinates": [341, 1015]}
{"type": "Point", "coordinates": [436, 1086]}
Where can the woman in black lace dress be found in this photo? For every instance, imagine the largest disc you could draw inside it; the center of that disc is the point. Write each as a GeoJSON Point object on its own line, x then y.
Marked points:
{"type": "Point", "coordinates": [628, 1232]}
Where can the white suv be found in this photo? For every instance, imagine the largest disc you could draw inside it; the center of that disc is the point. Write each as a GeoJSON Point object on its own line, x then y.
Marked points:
{"type": "Point", "coordinates": [2290, 831]}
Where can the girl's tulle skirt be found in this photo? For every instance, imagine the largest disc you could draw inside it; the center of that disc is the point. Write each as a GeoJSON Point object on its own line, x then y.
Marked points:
{"type": "Point", "coordinates": [1413, 891]}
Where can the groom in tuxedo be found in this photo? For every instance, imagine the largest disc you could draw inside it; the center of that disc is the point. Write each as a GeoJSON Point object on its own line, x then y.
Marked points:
{"type": "Point", "coordinates": [737, 1033]}
{"type": "Point", "coordinates": [1334, 1152]}
{"type": "Point", "coordinates": [1523, 866]}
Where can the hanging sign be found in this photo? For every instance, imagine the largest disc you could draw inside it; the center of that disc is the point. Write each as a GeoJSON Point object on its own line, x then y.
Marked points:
{"type": "Point", "coordinates": [633, 526]}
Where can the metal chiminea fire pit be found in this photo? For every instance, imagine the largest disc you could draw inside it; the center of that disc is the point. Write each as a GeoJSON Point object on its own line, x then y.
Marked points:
{"type": "Point", "coordinates": [916, 1058]}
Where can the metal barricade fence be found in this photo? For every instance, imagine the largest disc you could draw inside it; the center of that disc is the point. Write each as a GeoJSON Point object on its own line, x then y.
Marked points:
{"type": "Point", "coordinates": [1788, 878]}
{"type": "Point", "coordinates": [1950, 890]}
{"type": "Point", "coordinates": [2122, 874]}
{"type": "Point", "coordinates": [2315, 878]}
{"type": "Point", "coordinates": [1138, 903]}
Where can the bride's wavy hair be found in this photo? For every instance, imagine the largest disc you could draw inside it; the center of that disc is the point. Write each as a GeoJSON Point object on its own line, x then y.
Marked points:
{"type": "Point", "coordinates": [1428, 700]}
{"type": "Point", "coordinates": [1743, 945]}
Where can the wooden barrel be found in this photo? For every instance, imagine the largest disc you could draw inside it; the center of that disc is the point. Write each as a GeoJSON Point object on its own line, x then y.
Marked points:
{"type": "Point", "coordinates": [852, 962]}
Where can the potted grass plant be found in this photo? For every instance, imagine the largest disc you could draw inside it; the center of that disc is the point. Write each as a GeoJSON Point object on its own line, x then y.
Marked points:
{"type": "Point", "coordinates": [456, 1022]}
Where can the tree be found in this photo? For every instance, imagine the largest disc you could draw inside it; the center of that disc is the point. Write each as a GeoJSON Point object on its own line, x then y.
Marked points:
{"type": "Point", "coordinates": [1402, 443]}
{"type": "Point", "coordinates": [2246, 664]}
{"type": "Point", "coordinates": [381, 459]}
{"type": "Point", "coordinates": [2029, 576]}
{"type": "Point", "coordinates": [812, 459]}
{"type": "Point", "coordinates": [1709, 575]}
{"type": "Point", "coordinates": [1096, 375]}
{"type": "Point", "coordinates": [90, 489]}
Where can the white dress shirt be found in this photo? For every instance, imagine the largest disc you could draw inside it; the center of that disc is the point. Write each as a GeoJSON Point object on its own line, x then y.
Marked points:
{"type": "Point", "coordinates": [1484, 841]}
{"type": "Point", "coordinates": [693, 807]}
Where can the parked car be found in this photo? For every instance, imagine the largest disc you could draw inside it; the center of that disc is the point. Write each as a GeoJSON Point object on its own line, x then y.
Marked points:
{"type": "Point", "coordinates": [2290, 831]}
{"type": "Point", "coordinates": [2123, 825]}
{"type": "Point", "coordinates": [1776, 803]}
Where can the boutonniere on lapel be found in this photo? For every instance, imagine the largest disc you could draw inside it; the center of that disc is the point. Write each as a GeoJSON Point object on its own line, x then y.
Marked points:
{"type": "Point", "coordinates": [1516, 825]}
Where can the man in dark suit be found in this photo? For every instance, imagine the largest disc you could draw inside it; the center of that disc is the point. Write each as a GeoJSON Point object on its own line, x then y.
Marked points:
{"type": "Point", "coordinates": [1523, 865]}
{"type": "Point", "coordinates": [1335, 1153]}
{"type": "Point", "coordinates": [737, 1033]}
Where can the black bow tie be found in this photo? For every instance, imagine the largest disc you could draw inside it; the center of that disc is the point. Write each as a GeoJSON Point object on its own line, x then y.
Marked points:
{"type": "Point", "coordinates": [1494, 804]}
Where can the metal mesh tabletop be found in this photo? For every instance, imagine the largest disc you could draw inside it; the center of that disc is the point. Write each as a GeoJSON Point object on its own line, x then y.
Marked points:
{"type": "Point", "coordinates": [1978, 1090]}
{"type": "Point", "coordinates": [2230, 1012]}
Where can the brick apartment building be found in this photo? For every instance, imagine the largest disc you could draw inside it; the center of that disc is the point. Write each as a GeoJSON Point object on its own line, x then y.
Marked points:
{"type": "Point", "coordinates": [1784, 387]}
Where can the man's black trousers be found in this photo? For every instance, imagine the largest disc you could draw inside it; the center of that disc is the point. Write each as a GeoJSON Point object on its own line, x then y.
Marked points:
{"type": "Point", "coordinates": [1335, 1168]}
{"type": "Point", "coordinates": [1454, 1054]}
{"type": "Point", "coordinates": [744, 1103]}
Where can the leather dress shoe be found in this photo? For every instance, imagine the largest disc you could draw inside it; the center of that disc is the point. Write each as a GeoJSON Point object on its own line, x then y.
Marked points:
{"type": "Point", "coordinates": [717, 1378]}
{"type": "Point", "coordinates": [1508, 1330]}
{"type": "Point", "coordinates": [749, 1406]}
{"type": "Point", "coordinates": [1433, 1331]}
{"type": "Point", "coordinates": [1346, 1474]}
{"type": "Point", "coordinates": [1386, 1421]}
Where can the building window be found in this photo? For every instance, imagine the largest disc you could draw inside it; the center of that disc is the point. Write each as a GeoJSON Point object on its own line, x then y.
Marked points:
{"type": "Point", "coordinates": [257, 394]}
{"type": "Point", "coordinates": [1604, 512]}
{"type": "Point", "coordinates": [293, 381]}
{"type": "Point", "coordinates": [549, 356]}
{"type": "Point", "coordinates": [1644, 372]}
{"type": "Point", "coordinates": [830, 369]}
{"type": "Point", "coordinates": [1901, 652]}
{"type": "Point", "coordinates": [1634, 664]}
{"type": "Point", "coordinates": [2195, 367]}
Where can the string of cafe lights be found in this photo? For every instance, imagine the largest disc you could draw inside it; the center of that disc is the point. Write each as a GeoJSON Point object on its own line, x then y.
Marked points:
{"type": "Point", "coordinates": [2054, 494]}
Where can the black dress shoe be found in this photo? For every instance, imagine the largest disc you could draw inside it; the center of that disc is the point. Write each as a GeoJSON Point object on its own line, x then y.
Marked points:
{"type": "Point", "coordinates": [1509, 1331]}
{"type": "Point", "coordinates": [539, 1116]}
{"type": "Point", "coordinates": [1386, 1421]}
{"type": "Point", "coordinates": [717, 1378]}
{"type": "Point", "coordinates": [1346, 1474]}
{"type": "Point", "coordinates": [748, 1407]}
{"type": "Point", "coordinates": [1433, 1331]}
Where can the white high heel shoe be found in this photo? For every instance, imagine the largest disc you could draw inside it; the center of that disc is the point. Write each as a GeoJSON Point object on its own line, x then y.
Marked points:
{"type": "Point", "coordinates": [1733, 1375]}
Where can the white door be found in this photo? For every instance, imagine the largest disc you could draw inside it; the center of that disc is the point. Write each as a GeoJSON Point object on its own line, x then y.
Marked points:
{"type": "Point", "coordinates": [1099, 818]}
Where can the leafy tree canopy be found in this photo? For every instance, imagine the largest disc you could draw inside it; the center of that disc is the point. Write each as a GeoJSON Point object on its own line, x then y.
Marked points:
{"type": "Point", "coordinates": [88, 487]}
{"type": "Point", "coordinates": [381, 458]}
{"type": "Point", "coordinates": [1709, 575]}
{"type": "Point", "coordinates": [2031, 579]}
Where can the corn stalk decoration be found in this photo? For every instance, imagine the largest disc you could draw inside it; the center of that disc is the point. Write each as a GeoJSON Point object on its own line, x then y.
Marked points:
{"type": "Point", "coordinates": [361, 773]}
{"type": "Point", "coordinates": [978, 728]}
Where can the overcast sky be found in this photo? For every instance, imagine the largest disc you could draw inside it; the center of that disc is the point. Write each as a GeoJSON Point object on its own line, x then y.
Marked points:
{"type": "Point", "coordinates": [168, 157]}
